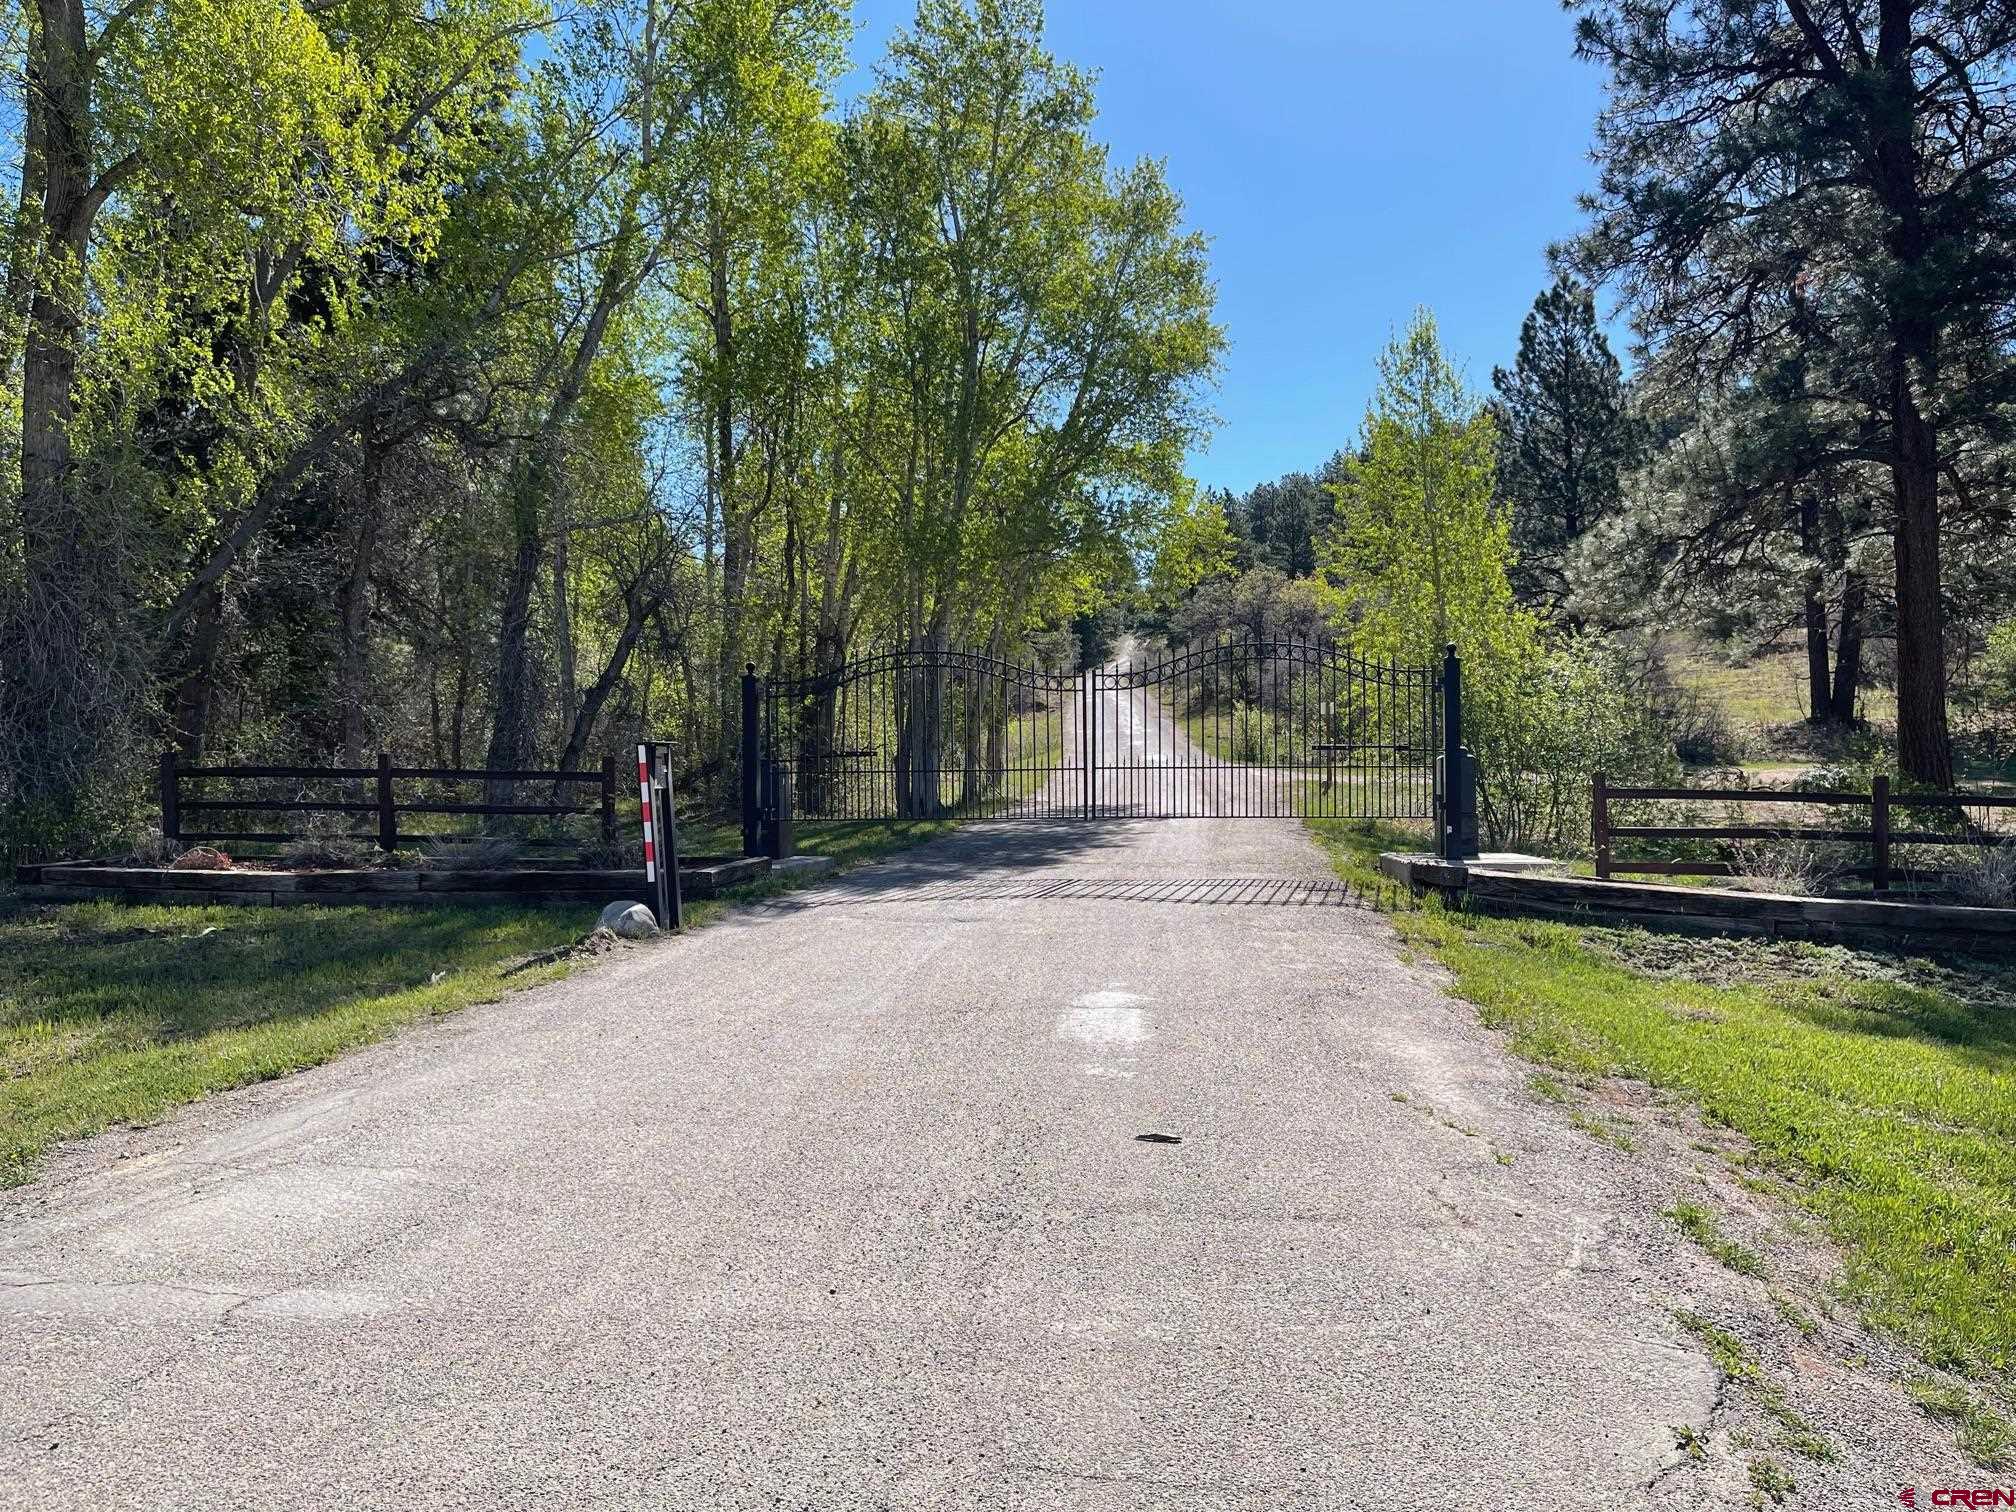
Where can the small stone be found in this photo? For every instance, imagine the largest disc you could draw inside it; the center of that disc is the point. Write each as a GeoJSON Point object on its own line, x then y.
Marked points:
{"type": "Point", "coordinates": [632, 921]}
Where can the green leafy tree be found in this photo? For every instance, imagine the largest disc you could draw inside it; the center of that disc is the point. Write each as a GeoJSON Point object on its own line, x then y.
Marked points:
{"type": "Point", "coordinates": [1196, 545]}
{"type": "Point", "coordinates": [1421, 545]}
{"type": "Point", "coordinates": [1045, 320]}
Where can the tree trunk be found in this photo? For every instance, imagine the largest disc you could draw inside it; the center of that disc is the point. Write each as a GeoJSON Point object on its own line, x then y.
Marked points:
{"type": "Point", "coordinates": [458, 722]}
{"type": "Point", "coordinates": [1924, 747]}
{"type": "Point", "coordinates": [194, 690]}
{"type": "Point", "coordinates": [511, 730]}
{"type": "Point", "coordinates": [1814, 586]}
{"type": "Point", "coordinates": [640, 605]}
{"type": "Point", "coordinates": [1848, 650]}
{"type": "Point", "coordinates": [734, 543]}
{"type": "Point", "coordinates": [355, 659]}
{"type": "Point", "coordinates": [52, 693]}
{"type": "Point", "coordinates": [563, 619]}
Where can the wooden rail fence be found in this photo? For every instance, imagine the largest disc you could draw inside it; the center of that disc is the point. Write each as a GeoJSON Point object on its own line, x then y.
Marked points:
{"type": "Point", "coordinates": [383, 804]}
{"type": "Point", "coordinates": [1881, 836]}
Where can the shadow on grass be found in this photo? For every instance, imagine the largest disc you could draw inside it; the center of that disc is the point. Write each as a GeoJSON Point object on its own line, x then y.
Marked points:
{"type": "Point", "coordinates": [190, 970]}
{"type": "Point", "coordinates": [114, 1015]}
{"type": "Point", "coordinates": [1953, 1015]}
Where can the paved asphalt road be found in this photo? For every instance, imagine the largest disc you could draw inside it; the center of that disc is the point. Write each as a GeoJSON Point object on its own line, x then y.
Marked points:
{"type": "Point", "coordinates": [845, 1203]}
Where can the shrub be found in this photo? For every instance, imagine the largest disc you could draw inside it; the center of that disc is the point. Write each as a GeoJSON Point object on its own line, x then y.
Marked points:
{"type": "Point", "coordinates": [1544, 725]}
{"type": "Point", "coordinates": [1700, 729]}
{"type": "Point", "coordinates": [1801, 868]}
{"type": "Point", "coordinates": [325, 843]}
{"type": "Point", "coordinates": [149, 848]}
{"type": "Point", "coordinates": [1988, 879]}
{"type": "Point", "coordinates": [484, 853]}
{"type": "Point", "coordinates": [1249, 726]}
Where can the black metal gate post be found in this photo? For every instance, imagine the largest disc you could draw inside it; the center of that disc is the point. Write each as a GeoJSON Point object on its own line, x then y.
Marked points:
{"type": "Point", "coordinates": [752, 759]}
{"type": "Point", "coordinates": [661, 835]}
{"type": "Point", "coordinates": [778, 841]}
{"type": "Point", "coordinates": [1456, 797]}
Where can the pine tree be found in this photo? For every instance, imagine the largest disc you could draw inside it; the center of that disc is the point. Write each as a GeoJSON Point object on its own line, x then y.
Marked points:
{"type": "Point", "coordinates": [1564, 437]}
{"type": "Point", "coordinates": [1851, 165]}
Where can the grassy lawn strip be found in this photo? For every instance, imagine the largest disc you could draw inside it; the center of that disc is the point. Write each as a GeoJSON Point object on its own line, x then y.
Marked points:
{"type": "Point", "coordinates": [115, 1015]}
{"type": "Point", "coordinates": [1883, 1090]}
{"type": "Point", "coordinates": [111, 1014]}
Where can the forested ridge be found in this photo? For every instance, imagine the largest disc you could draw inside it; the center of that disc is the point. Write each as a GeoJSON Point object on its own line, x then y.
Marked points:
{"type": "Point", "coordinates": [487, 382]}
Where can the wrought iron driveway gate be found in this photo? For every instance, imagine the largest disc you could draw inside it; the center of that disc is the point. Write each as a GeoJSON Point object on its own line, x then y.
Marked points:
{"type": "Point", "coordinates": [1234, 728]}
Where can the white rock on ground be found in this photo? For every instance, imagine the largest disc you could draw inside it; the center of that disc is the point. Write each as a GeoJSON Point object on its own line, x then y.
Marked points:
{"type": "Point", "coordinates": [632, 921]}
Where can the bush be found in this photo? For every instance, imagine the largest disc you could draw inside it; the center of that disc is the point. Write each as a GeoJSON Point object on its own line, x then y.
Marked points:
{"type": "Point", "coordinates": [1249, 731]}
{"type": "Point", "coordinates": [1700, 729]}
{"type": "Point", "coordinates": [324, 843]}
{"type": "Point", "coordinates": [1800, 868]}
{"type": "Point", "coordinates": [149, 848]}
{"type": "Point", "coordinates": [1544, 725]}
{"type": "Point", "coordinates": [1993, 692]}
{"type": "Point", "coordinates": [1987, 880]}
{"type": "Point", "coordinates": [484, 853]}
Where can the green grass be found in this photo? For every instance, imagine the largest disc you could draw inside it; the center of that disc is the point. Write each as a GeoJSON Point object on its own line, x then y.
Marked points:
{"type": "Point", "coordinates": [1767, 689]}
{"type": "Point", "coordinates": [1882, 1093]}
{"type": "Point", "coordinates": [111, 1014]}
{"type": "Point", "coordinates": [1983, 1433]}
{"type": "Point", "coordinates": [1700, 1225]}
{"type": "Point", "coordinates": [1795, 1317]}
{"type": "Point", "coordinates": [1772, 1482]}
{"type": "Point", "coordinates": [1739, 1368]}
{"type": "Point", "coordinates": [115, 1015]}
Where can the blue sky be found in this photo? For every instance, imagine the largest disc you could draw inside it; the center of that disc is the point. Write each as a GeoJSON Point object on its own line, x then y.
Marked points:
{"type": "Point", "coordinates": [1349, 161]}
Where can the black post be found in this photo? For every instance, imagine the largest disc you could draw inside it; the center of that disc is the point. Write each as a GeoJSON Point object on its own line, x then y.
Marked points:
{"type": "Point", "coordinates": [1599, 824]}
{"type": "Point", "coordinates": [671, 904]}
{"type": "Point", "coordinates": [388, 820]}
{"type": "Point", "coordinates": [609, 802]}
{"type": "Point", "coordinates": [752, 756]}
{"type": "Point", "coordinates": [1448, 845]}
{"type": "Point", "coordinates": [778, 842]}
{"type": "Point", "coordinates": [171, 799]}
{"type": "Point", "coordinates": [1879, 827]}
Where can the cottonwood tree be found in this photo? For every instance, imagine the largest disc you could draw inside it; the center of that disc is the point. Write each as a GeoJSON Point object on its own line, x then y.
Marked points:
{"type": "Point", "coordinates": [1048, 318]}
{"type": "Point", "coordinates": [1042, 324]}
{"type": "Point", "coordinates": [1420, 544]}
{"type": "Point", "coordinates": [195, 183]}
{"type": "Point", "coordinates": [1851, 165]}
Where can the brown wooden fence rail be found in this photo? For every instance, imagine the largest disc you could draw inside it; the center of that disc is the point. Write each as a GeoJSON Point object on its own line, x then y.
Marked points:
{"type": "Point", "coordinates": [383, 804]}
{"type": "Point", "coordinates": [1881, 836]}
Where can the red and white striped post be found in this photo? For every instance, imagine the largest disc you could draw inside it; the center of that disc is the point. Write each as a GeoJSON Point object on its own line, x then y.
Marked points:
{"type": "Point", "coordinates": [661, 836]}
{"type": "Point", "coordinates": [644, 802]}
